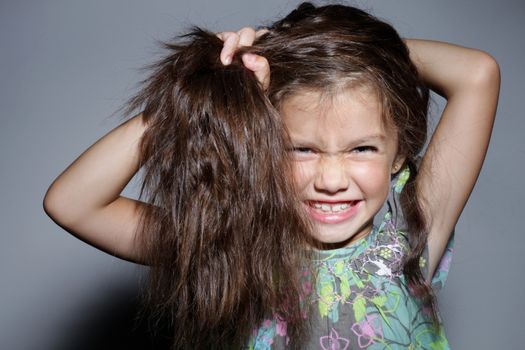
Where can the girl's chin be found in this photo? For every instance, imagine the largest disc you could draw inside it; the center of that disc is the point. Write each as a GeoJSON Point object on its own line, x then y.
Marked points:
{"type": "Point", "coordinates": [332, 238]}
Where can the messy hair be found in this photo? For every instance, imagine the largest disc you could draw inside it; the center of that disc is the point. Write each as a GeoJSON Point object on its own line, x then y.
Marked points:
{"type": "Point", "coordinates": [224, 237]}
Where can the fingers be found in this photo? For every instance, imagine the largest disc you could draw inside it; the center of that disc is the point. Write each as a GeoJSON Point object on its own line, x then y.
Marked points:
{"type": "Point", "coordinates": [261, 32]}
{"type": "Point", "coordinates": [245, 37]}
{"type": "Point", "coordinates": [260, 67]}
{"type": "Point", "coordinates": [231, 42]}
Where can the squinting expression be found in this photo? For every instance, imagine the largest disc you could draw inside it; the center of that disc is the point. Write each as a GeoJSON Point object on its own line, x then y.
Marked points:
{"type": "Point", "coordinates": [343, 160]}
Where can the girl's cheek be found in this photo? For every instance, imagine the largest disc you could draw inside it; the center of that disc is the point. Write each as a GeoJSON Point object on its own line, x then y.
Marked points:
{"type": "Point", "coordinates": [372, 177]}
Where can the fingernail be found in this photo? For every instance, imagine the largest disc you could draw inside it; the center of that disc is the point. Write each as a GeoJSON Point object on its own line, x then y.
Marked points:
{"type": "Point", "coordinates": [227, 59]}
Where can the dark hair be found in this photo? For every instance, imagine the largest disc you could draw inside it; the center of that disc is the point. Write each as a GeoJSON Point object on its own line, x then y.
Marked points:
{"type": "Point", "coordinates": [224, 238]}
{"type": "Point", "coordinates": [330, 48]}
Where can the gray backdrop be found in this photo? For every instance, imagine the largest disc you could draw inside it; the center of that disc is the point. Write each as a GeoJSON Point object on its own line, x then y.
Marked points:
{"type": "Point", "coordinates": [65, 66]}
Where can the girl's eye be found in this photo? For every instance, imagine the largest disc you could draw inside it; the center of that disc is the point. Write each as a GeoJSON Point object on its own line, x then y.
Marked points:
{"type": "Point", "coordinates": [364, 149]}
{"type": "Point", "coordinates": [303, 150]}
{"type": "Point", "coordinates": [303, 153]}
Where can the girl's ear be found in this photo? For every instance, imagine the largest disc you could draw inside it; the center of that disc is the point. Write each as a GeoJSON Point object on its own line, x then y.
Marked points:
{"type": "Point", "coordinates": [398, 163]}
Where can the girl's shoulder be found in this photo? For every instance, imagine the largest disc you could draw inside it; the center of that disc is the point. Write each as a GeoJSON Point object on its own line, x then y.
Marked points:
{"type": "Point", "coordinates": [393, 228]}
{"type": "Point", "coordinates": [392, 240]}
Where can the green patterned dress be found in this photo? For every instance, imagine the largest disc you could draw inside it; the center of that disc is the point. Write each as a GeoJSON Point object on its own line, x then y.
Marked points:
{"type": "Point", "coordinates": [361, 299]}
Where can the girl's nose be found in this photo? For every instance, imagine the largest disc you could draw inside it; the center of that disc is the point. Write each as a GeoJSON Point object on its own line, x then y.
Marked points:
{"type": "Point", "coordinates": [331, 176]}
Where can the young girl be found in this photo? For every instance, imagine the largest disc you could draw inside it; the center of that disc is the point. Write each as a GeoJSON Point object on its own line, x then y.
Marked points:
{"type": "Point", "coordinates": [264, 168]}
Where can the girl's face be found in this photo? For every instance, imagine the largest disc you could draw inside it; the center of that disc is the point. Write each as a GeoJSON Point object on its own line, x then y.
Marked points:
{"type": "Point", "coordinates": [343, 160]}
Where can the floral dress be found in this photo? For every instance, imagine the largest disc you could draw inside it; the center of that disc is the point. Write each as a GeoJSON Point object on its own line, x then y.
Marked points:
{"type": "Point", "coordinates": [361, 299]}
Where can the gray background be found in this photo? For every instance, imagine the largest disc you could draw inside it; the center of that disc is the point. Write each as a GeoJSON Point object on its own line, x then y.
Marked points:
{"type": "Point", "coordinates": [65, 67]}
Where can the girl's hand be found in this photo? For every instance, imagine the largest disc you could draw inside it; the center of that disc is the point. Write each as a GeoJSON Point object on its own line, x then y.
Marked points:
{"type": "Point", "coordinates": [245, 37]}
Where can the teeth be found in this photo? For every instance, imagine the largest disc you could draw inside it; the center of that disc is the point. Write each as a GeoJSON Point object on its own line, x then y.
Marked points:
{"type": "Point", "coordinates": [339, 207]}
{"type": "Point", "coordinates": [331, 208]}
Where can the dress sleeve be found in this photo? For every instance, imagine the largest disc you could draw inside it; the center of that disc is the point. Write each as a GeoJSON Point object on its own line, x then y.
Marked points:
{"type": "Point", "coordinates": [441, 273]}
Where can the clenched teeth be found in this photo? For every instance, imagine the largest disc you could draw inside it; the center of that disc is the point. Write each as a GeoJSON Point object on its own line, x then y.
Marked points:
{"type": "Point", "coordinates": [331, 208]}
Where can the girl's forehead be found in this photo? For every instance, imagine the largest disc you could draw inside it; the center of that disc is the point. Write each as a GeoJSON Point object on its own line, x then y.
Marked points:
{"type": "Point", "coordinates": [337, 120]}
{"type": "Point", "coordinates": [352, 108]}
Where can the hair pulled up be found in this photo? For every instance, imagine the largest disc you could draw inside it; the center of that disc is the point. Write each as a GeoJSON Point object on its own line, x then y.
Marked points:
{"type": "Point", "coordinates": [223, 235]}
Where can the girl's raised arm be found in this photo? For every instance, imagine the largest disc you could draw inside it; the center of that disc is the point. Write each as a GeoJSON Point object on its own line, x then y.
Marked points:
{"type": "Point", "coordinates": [85, 199]}
{"type": "Point", "coordinates": [469, 79]}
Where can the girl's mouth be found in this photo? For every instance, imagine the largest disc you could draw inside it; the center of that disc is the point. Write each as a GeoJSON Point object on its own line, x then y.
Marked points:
{"type": "Point", "coordinates": [332, 212]}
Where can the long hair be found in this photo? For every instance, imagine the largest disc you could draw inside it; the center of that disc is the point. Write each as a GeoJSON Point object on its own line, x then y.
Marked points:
{"type": "Point", "coordinates": [223, 235]}
{"type": "Point", "coordinates": [327, 49]}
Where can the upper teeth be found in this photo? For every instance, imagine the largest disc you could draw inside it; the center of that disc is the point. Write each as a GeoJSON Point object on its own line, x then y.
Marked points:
{"type": "Point", "coordinates": [333, 208]}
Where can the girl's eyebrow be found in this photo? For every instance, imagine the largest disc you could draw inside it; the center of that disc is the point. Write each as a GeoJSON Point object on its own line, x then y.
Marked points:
{"type": "Point", "coordinates": [369, 138]}
{"type": "Point", "coordinates": [305, 141]}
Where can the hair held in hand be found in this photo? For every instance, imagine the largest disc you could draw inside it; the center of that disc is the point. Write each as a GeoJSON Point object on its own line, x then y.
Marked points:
{"type": "Point", "coordinates": [224, 238]}
{"type": "Point", "coordinates": [225, 235]}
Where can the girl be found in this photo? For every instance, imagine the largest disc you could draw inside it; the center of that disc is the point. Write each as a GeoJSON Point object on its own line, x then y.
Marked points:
{"type": "Point", "coordinates": [263, 174]}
